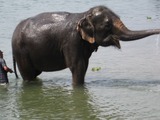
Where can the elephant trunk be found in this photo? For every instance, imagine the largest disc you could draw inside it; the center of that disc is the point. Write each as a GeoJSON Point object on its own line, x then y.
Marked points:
{"type": "Point", "coordinates": [125, 34]}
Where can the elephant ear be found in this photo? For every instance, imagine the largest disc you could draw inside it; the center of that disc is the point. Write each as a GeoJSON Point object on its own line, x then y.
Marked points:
{"type": "Point", "coordinates": [86, 29]}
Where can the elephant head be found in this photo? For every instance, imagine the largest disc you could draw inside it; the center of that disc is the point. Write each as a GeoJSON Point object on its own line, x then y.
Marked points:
{"type": "Point", "coordinates": [102, 26]}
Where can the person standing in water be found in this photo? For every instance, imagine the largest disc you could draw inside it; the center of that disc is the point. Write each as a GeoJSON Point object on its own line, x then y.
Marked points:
{"type": "Point", "coordinates": [4, 70]}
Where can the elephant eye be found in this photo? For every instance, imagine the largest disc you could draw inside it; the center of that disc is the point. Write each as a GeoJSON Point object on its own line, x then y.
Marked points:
{"type": "Point", "coordinates": [104, 26]}
{"type": "Point", "coordinates": [108, 26]}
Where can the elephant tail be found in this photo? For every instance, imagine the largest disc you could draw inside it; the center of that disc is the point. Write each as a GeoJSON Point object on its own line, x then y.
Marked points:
{"type": "Point", "coordinates": [14, 66]}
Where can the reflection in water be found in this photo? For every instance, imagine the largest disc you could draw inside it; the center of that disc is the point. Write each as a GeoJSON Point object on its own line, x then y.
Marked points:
{"type": "Point", "coordinates": [39, 102]}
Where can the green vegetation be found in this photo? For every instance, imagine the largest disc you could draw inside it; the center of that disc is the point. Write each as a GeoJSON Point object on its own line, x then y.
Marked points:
{"type": "Point", "coordinates": [149, 17]}
{"type": "Point", "coordinates": [94, 69]}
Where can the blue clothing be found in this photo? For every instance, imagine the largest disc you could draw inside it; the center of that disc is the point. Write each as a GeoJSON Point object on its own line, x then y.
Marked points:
{"type": "Point", "coordinates": [3, 73]}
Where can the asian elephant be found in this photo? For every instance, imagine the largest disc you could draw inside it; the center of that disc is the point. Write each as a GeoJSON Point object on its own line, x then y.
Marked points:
{"type": "Point", "coordinates": [54, 41]}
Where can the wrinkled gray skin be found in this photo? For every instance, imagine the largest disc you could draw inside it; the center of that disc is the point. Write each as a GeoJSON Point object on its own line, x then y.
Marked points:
{"type": "Point", "coordinates": [57, 40]}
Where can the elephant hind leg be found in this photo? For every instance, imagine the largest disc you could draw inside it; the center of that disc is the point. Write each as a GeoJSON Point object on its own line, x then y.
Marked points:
{"type": "Point", "coordinates": [26, 69]}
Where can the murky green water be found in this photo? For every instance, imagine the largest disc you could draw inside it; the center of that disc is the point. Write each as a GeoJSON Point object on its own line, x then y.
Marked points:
{"type": "Point", "coordinates": [126, 88]}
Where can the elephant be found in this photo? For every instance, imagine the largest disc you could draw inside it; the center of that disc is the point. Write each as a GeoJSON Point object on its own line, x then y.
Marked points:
{"type": "Point", "coordinates": [53, 41]}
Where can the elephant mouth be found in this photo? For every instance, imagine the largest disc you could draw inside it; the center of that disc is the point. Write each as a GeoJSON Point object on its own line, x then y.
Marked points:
{"type": "Point", "coordinates": [116, 42]}
{"type": "Point", "coordinates": [112, 40]}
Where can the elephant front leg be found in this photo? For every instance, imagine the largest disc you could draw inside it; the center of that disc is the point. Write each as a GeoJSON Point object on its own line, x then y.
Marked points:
{"type": "Point", "coordinates": [78, 72]}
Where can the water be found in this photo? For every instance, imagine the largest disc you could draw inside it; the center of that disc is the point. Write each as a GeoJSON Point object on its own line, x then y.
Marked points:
{"type": "Point", "coordinates": [126, 88]}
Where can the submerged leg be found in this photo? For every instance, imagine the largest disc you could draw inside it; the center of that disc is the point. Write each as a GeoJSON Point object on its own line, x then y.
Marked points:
{"type": "Point", "coordinates": [78, 72]}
